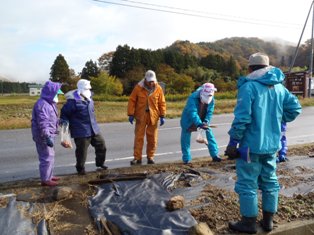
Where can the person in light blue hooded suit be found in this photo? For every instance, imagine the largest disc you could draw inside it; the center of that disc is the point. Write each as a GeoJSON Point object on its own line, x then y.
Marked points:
{"type": "Point", "coordinates": [263, 103]}
{"type": "Point", "coordinates": [44, 129]}
{"type": "Point", "coordinates": [197, 113]}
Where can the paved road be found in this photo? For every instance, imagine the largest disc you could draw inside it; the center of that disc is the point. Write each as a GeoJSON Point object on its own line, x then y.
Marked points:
{"type": "Point", "coordinates": [18, 156]}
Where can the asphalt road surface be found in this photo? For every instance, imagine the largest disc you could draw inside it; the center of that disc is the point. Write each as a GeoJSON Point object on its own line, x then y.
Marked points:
{"type": "Point", "coordinates": [18, 157]}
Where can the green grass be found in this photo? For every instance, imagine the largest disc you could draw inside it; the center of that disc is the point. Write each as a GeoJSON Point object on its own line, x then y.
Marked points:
{"type": "Point", "coordinates": [11, 100]}
{"type": "Point", "coordinates": [16, 111]}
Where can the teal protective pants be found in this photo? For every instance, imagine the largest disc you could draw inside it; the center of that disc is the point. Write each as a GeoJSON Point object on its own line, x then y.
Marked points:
{"type": "Point", "coordinates": [186, 144]}
{"type": "Point", "coordinates": [260, 174]}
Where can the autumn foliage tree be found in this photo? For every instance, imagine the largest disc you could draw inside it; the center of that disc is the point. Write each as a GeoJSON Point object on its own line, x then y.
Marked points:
{"type": "Point", "coordinates": [106, 84]}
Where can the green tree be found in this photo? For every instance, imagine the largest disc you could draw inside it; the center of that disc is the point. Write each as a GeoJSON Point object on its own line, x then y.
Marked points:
{"type": "Point", "coordinates": [175, 60]}
{"type": "Point", "coordinates": [104, 61]}
{"type": "Point", "coordinates": [232, 68]}
{"type": "Point", "coordinates": [90, 70]}
{"type": "Point", "coordinates": [223, 85]}
{"type": "Point", "coordinates": [216, 62]}
{"type": "Point", "coordinates": [124, 59]}
{"type": "Point", "coordinates": [71, 83]}
{"type": "Point", "coordinates": [60, 71]}
{"type": "Point", "coordinates": [106, 84]}
{"type": "Point", "coordinates": [201, 75]}
{"type": "Point", "coordinates": [132, 77]}
{"type": "Point", "coordinates": [175, 83]}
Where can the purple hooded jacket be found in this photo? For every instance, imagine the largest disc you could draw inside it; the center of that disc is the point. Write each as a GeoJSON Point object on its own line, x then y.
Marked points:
{"type": "Point", "coordinates": [45, 113]}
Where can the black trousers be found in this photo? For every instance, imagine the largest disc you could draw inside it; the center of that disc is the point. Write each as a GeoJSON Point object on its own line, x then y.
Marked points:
{"type": "Point", "coordinates": [82, 144]}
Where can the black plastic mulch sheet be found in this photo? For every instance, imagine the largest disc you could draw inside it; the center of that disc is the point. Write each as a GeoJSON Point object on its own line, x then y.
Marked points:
{"type": "Point", "coordinates": [16, 219]}
{"type": "Point", "coordinates": [139, 206]}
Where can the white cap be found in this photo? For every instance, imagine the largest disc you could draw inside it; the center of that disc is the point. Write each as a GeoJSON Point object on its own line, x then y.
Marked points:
{"type": "Point", "coordinates": [259, 59]}
{"type": "Point", "coordinates": [83, 84]}
{"type": "Point", "coordinates": [207, 92]}
{"type": "Point", "coordinates": [150, 76]}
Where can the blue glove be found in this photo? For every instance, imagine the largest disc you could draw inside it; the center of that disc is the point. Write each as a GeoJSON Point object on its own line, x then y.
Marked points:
{"type": "Point", "coordinates": [162, 121]}
{"type": "Point", "coordinates": [233, 142]}
{"type": "Point", "coordinates": [283, 127]}
{"type": "Point", "coordinates": [49, 141]}
{"type": "Point", "coordinates": [281, 158]}
{"type": "Point", "coordinates": [131, 119]}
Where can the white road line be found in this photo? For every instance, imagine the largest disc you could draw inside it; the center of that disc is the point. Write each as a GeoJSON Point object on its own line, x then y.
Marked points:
{"type": "Point", "coordinates": [300, 136]}
{"type": "Point", "coordinates": [157, 154]}
{"type": "Point", "coordinates": [178, 127]}
{"type": "Point", "coordinates": [175, 152]}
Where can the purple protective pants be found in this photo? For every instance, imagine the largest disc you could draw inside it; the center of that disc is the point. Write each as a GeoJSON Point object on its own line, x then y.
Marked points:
{"type": "Point", "coordinates": [46, 156]}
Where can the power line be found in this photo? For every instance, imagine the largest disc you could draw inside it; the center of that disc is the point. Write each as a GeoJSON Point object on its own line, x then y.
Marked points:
{"type": "Point", "coordinates": [195, 13]}
{"type": "Point", "coordinates": [206, 12]}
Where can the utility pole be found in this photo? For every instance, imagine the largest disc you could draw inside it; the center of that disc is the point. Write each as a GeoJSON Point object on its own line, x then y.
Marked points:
{"type": "Point", "coordinates": [311, 54]}
{"type": "Point", "coordinates": [1, 87]}
{"type": "Point", "coordinates": [310, 71]}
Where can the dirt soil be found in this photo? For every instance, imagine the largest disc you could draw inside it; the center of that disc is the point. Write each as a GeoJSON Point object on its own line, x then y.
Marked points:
{"type": "Point", "coordinates": [215, 205]}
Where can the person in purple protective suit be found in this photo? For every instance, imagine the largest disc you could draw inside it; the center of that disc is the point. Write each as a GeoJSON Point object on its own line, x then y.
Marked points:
{"type": "Point", "coordinates": [44, 129]}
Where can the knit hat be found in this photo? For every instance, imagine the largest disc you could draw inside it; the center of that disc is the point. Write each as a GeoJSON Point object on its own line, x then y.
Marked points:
{"type": "Point", "coordinates": [259, 59]}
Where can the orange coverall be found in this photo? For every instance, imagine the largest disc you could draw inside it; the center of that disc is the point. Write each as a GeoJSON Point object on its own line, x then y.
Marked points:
{"type": "Point", "coordinates": [146, 109]}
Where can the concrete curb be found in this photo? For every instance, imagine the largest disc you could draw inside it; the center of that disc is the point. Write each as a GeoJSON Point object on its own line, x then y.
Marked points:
{"type": "Point", "coordinates": [305, 227]}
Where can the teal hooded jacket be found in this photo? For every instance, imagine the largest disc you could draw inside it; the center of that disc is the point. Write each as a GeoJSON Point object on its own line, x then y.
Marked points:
{"type": "Point", "coordinates": [190, 114]}
{"type": "Point", "coordinates": [263, 103]}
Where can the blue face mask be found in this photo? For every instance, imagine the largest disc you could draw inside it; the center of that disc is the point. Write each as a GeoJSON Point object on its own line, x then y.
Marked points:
{"type": "Point", "coordinates": [56, 99]}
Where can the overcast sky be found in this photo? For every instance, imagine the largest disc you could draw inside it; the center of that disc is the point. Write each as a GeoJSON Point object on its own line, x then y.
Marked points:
{"type": "Point", "coordinates": [34, 32]}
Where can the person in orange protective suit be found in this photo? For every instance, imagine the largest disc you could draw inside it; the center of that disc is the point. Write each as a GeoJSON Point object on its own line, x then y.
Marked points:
{"type": "Point", "coordinates": [146, 105]}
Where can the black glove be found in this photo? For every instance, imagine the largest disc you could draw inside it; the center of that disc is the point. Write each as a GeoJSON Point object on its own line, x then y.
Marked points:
{"type": "Point", "coordinates": [49, 141]}
{"type": "Point", "coordinates": [232, 152]}
{"type": "Point", "coordinates": [63, 122]}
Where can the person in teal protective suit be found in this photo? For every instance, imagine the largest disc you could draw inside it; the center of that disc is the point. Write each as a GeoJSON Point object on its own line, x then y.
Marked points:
{"type": "Point", "coordinates": [263, 103]}
{"type": "Point", "coordinates": [197, 113]}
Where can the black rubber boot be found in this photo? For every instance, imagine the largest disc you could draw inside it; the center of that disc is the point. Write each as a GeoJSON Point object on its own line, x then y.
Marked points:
{"type": "Point", "coordinates": [267, 222]}
{"type": "Point", "coordinates": [245, 225]}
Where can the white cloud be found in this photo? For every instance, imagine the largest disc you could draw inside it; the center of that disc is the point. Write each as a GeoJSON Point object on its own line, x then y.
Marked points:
{"type": "Point", "coordinates": [34, 32]}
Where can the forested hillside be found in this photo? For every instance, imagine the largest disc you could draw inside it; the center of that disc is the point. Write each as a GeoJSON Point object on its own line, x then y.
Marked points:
{"type": "Point", "coordinates": [183, 65]}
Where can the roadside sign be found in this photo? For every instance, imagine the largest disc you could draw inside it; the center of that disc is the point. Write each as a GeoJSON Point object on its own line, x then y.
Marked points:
{"type": "Point", "coordinates": [297, 83]}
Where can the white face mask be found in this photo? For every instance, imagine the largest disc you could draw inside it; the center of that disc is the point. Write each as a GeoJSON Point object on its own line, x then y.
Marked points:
{"type": "Point", "coordinates": [206, 99]}
{"type": "Point", "coordinates": [86, 93]}
{"type": "Point", "coordinates": [56, 99]}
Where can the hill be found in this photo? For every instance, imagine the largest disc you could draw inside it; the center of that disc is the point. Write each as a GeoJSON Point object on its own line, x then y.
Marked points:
{"type": "Point", "coordinates": [240, 48]}
{"type": "Point", "coordinates": [3, 79]}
